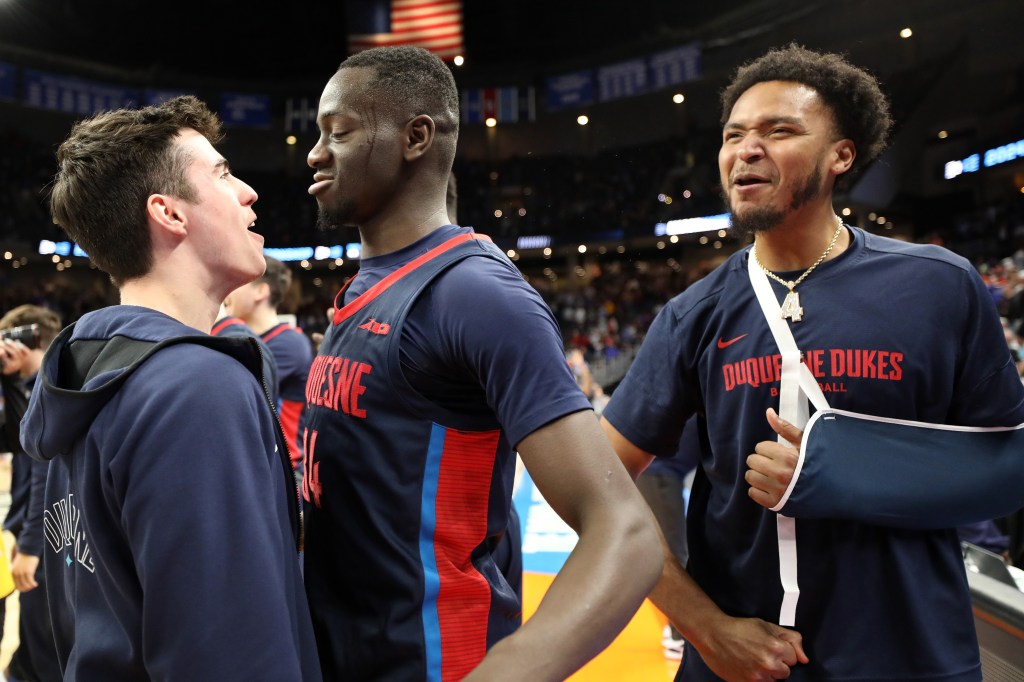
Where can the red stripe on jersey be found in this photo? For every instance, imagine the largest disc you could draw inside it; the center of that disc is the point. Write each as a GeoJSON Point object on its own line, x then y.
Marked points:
{"type": "Point", "coordinates": [291, 410]}
{"type": "Point", "coordinates": [226, 322]}
{"type": "Point", "coordinates": [464, 598]}
{"type": "Point", "coordinates": [274, 331]}
{"type": "Point", "coordinates": [342, 314]}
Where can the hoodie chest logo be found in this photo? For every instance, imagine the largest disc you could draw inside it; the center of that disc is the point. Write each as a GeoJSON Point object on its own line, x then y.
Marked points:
{"type": "Point", "coordinates": [62, 531]}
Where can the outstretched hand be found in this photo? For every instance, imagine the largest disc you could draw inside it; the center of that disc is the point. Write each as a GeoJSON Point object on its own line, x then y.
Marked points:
{"type": "Point", "coordinates": [772, 465]}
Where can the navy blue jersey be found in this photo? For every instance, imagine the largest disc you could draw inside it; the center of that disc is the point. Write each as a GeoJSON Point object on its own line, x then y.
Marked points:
{"type": "Point", "coordinates": [891, 329]}
{"type": "Point", "coordinates": [234, 326]}
{"type": "Point", "coordinates": [408, 495]}
{"type": "Point", "coordinates": [293, 353]}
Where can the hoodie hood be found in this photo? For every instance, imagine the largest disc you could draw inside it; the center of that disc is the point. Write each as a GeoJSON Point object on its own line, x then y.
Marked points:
{"type": "Point", "coordinates": [88, 362]}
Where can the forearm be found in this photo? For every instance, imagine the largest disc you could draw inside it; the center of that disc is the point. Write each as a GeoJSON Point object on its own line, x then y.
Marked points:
{"type": "Point", "coordinates": [600, 587]}
{"type": "Point", "coordinates": [735, 649]}
{"type": "Point", "coordinates": [685, 604]}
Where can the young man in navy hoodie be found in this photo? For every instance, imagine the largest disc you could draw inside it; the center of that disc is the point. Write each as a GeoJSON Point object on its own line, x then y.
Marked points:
{"type": "Point", "coordinates": [172, 520]}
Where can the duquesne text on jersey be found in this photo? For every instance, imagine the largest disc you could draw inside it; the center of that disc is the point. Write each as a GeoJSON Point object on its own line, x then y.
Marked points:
{"type": "Point", "coordinates": [834, 363]}
{"type": "Point", "coordinates": [337, 383]}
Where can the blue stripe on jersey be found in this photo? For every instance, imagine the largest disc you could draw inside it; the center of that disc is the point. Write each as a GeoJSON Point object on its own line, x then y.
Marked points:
{"type": "Point", "coordinates": [431, 579]}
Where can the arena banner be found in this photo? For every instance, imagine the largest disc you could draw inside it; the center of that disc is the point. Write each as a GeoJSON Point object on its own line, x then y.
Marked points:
{"type": "Point", "coordinates": [674, 67]}
{"type": "Point", "coordinates": [245, 110]}
{"type": "Point", "coordinates": [505, 105]}
{"type": "Point", "coordinates": [72, 95]}
{"type": "Point", "coordinates": [624, 79]}
{"type": "Point", "coordinates": [574, 89]}
{"type": "Point", "coordinates": [300, 114]}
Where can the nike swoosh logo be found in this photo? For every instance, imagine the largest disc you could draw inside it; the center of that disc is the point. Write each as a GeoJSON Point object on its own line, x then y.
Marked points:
{"type": "Point", "coordinates": [726, 344]}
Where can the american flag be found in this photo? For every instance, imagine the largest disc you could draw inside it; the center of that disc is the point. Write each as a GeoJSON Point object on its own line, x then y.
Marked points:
{"type": "Point", "coordinates": [435, 25]}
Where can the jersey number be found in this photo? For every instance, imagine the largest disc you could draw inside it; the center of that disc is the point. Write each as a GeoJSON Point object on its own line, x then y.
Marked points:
{"type": "Point", "coordinates": [311, 480]}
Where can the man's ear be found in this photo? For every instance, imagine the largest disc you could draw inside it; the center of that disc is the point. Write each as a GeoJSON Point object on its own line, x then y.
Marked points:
{"type": "Point", "coordinates": [845, 153]}
{"type": "Point", "coordinates": [419, 136]}
{"type": "Point", "coordinates": [262, 291]}
{"type": "Point", "coordinates": [165, 212]}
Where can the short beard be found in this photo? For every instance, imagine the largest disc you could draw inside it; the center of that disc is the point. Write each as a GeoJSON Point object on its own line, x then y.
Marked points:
{"type": "Point", "coordinates": [759, 220]}
{"type": "Point", "coordinates": [327, 221]}
{"type": "Point", "coordinates": [755, 221]}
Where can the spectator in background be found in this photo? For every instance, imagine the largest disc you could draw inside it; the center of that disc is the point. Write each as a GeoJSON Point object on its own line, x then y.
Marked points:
{"type": "Point", "coordinates": [581, 371]}
{"type": "Point", "coordinates": [257, 304]}
{"type": "Point", "coordinates": [182, 562]}
{"type": "Point", "coordinates": [227, 325]}
{"type": "Point", "coordinates": [585, 379]}
{"type": "Point", "coordinates": [35, 659]}
{"type": "Point", "coordinates": [1005, 535]}
{"type": "Point", "coordinates": [1013, 344]}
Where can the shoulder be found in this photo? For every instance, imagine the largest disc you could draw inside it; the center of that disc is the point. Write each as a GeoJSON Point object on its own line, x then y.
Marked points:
{"type": "Point", "coordinates": [288, 335]}
{"type": "Point", "coordinates": [483, 282]}
{"type": "Point", "coordinates": [229, 325]}
{"type": "Point", "coordinates": [191, 366]}
{"type": "Point", "coordinates": [482, 306]}
{"type": "Point", "coordinates": [704, 295]}
{"type": "Point", "coordinates": [188, 390]}
{"type": "Point", "coordinates": [925, 254]}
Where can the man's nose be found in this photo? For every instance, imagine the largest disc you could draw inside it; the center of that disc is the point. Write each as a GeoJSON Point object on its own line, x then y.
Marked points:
{"type": "Point", "coordinates": [751, 148]}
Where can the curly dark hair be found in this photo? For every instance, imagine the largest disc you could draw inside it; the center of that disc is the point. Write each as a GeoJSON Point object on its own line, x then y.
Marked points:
{"type": "Point", "coordinates": [860, 109]}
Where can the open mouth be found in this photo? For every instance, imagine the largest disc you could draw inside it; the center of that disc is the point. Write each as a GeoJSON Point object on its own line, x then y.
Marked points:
{"type": "Point", "coordinates": [749, 181]}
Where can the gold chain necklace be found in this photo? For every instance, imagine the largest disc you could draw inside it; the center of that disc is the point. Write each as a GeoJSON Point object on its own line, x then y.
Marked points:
{"type": "Point", "coordinates": [791, 309]}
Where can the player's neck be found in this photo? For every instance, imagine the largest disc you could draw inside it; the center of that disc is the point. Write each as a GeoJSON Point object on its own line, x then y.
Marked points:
{"type": "Point", "coordinates": [395, 230]}
{"type": "Point", "coordinates": [263, 319]}
{"type": "Point", "coordinates": [186, 303]}
{"type": "Point", "coordinates": [800, 240]}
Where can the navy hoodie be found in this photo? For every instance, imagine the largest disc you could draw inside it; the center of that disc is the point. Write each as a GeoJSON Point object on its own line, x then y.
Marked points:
{"type": "Point", "coordinates": [171, 519]}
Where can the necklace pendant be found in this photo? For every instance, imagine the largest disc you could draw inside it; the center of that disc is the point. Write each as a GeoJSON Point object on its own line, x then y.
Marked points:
{"type": "Point", "coordinates": [791, 309]}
